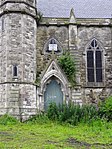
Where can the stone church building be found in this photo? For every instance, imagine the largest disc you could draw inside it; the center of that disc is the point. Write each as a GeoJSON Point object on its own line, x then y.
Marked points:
{"type": "Point", "coordinates": [31, 43]}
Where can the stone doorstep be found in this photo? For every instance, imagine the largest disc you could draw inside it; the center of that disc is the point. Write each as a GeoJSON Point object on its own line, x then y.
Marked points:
{"type": "Point", "coordinates": [76, 98]}
{"type": "Point", "coordinates": [76, 91]}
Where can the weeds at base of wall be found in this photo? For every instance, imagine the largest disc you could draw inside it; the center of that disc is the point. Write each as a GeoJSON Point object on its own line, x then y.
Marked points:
{"type": "Point", "coordinates": [68, 114]}
{"type": "Point", "coordinates": [38, 119]}
{"type": "Point", "coordinates": [105, 109]}
{"type": "Point", "coordinates": [74, 114]}
{"type": "Point", "coordinates": [8, 120]}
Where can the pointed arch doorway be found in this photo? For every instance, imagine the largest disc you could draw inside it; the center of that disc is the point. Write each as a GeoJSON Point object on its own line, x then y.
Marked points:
{"type": "Point", "coordinates": [53, 87]}
{"type": "Point", "coordinates": [53, 93]}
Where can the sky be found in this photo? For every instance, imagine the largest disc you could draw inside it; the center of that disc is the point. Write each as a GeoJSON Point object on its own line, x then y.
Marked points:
{"type": "Point", "coordinates": [82, 8]}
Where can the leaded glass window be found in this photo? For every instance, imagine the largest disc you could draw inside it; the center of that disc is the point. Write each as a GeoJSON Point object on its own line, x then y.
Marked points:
{"type": "Point", "coordinates": [90, 66]}
{"type": "Point", "coordinates": [94, 62]}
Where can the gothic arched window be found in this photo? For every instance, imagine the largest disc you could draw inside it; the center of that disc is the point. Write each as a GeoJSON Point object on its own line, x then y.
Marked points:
{"type": "Point", "coordinates": [94, 62]}
{"type": "Point", "coordinates": [52, 45]}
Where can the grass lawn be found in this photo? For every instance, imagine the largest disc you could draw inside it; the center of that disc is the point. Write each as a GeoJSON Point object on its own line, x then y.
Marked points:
{"type": "Point", "coordinates": [51, 135]}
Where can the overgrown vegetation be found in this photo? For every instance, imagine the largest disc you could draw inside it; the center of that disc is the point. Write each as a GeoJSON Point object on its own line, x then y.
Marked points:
{"type": "Point", "coordinates": [72, 114]}
{"type": "Point", "coordinates": [39, 17]}
{"type": "Point", "coordinates": [105, 109]}
{"type": "Point", "coordinates": [67, 64]}
{"type": "Point", "coordinates": [8, 120]}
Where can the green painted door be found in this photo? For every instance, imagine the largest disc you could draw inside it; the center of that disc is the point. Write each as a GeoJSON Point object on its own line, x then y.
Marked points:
{"type": "Point", "coordinates": [53, 93]}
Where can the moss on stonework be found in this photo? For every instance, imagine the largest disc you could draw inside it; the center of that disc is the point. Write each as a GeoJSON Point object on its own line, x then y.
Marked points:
{"type": "Point", "coordinates": [37, 77]}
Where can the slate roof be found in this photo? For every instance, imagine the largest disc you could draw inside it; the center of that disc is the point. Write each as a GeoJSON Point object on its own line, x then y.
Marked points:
{"type": "Point", "coordinates": [82, 8]}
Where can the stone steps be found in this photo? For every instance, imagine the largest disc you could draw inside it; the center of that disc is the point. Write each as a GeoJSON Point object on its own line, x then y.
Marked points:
{"type": "Point", "coordinates": [76, 97]}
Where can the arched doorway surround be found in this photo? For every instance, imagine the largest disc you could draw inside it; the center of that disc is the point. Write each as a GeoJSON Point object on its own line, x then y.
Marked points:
{"type": "Point", "coordinates": [53, 78]}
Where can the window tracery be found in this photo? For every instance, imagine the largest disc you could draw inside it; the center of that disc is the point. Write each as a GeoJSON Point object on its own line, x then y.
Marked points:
{"type": "Point", "coordinates": [94, 62]}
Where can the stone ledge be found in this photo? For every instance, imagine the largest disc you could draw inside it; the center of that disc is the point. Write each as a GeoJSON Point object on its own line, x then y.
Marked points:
{"type": "Point", "coordinates": [17, 11]}
{"type": "Point", "coordinates": [30, 83]}
{"type": "Point", "coordinates": [13, 1]}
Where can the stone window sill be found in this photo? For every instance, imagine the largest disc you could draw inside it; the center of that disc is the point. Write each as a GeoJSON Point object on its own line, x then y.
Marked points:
{"type": "Point", "coordinates": [94, 84]}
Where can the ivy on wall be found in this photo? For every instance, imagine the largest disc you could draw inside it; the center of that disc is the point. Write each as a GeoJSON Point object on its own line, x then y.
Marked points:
{"type": "Point", "coordinates": [67, 64]}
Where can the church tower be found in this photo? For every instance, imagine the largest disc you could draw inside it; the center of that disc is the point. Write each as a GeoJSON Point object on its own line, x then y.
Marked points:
{"type": "Point", "coordinates": [18, 57]}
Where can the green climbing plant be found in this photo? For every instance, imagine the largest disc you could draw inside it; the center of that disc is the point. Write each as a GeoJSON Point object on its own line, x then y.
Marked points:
{"type": "Point", "coordinates": [39, 17]}
{"type": "Point", "coordinates": [67, 63]}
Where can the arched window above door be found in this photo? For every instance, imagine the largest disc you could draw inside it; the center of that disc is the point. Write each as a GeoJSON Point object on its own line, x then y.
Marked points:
{"type": "Point", "coordinates": [52, 46]}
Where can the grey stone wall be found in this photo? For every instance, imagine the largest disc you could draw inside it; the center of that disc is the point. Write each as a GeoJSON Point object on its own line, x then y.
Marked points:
{"type": "Point", "coordinates": [103, 35]}
{"type": "Point", "coordinates": [44, 33]}
{"type": "Point", "coordinates": [74, 36]}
